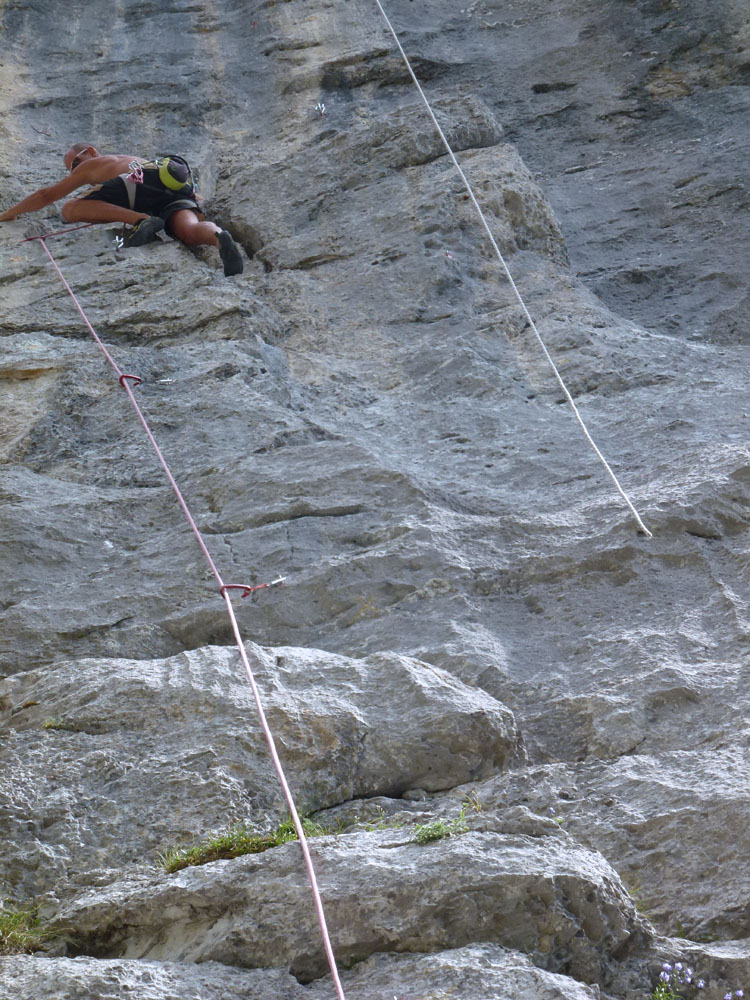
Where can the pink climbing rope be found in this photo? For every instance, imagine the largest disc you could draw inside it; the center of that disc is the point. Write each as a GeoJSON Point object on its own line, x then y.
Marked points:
{"type": "Point", "coordinates": [125, 381]}
{"type": "Point", "coordinates": [59, 232]}
{"type": "Point", "coordinates": [288, 795]}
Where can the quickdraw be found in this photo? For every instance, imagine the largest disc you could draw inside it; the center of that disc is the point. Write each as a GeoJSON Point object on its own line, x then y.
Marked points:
{"type": "Point", "coordinates": [136, 172]}
{"type": "Point", "coordinates": [248, 589]}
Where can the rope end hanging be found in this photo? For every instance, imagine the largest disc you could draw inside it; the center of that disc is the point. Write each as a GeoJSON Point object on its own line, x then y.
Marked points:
{"type": "Point", "coordinates": [643, 530]}
{"type": "Point", "coordinates": [506, 269]}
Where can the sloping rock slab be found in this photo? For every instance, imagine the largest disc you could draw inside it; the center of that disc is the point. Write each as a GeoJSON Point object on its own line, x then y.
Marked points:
{"type": "Point", "coordinates": [33, 978]}
{"type": "Point", "coordinates": [107, 761]}
{"type": "Point", "coordinates": [484, 970]}
{"type": "Point", "coordinates": [669, 824]}
{"type": "Point", "coordinates": [559, 903]}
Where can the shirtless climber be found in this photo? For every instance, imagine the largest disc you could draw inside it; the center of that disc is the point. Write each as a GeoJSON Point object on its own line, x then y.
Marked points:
{"type": "Point", "coordinates": [148, 195]}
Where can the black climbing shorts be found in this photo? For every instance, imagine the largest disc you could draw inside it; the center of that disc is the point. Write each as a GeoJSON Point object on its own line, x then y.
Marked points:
{"type": "Point", "coordinates": [151, 197]}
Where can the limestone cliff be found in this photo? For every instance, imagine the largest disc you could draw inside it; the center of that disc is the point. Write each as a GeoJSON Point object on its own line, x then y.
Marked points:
{"type": "Point", "coordinates": [471, 623]}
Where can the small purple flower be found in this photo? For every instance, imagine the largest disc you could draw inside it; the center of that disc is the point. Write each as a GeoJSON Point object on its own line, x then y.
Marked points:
{"type": "Point", "coordinates": [678, 966]}
{"type": "Point", "coordinates": [701, 984]}
{"type": "Point", "coordinates": [666, 966]}
{"type": "Point", "coordinates": [664, 976]}
{"type": "Point", "coordinates": [727, 996]}
{"type": "Point", "coordinates": [739, 993]}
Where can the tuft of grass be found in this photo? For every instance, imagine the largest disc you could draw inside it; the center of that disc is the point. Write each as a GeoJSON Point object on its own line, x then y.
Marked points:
{"type": "Point", "coordinates": [472, 802]}
{"type": "Point", "coordinates": [426, 833]}
{"type": "Point", "coordinates": [238, 840]}
{"type": "Point", "coordinates": [21, 931]}
{"type": "Point", "coordinates": [63, 724]}
{"type": "Point", "coordinates": [380, 822]}
{"type": "Point", "coordinates": [664, 992]}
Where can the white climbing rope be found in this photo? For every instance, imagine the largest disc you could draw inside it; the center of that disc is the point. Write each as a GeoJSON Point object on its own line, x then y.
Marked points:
{"type": "Point", "coordinates": [509, 276]}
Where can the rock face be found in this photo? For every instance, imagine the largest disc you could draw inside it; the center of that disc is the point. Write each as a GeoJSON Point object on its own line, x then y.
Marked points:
{"type": "Point", "coordinates": [92, 782]}
{"type": "Point", "coordinates": [560, 904]}
{"type": "Point", "coordinates": [472, 633]}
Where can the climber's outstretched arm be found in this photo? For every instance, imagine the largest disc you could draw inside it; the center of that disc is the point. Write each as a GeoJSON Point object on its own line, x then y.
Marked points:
{"type": "Point", "coordinates": [92, 171]}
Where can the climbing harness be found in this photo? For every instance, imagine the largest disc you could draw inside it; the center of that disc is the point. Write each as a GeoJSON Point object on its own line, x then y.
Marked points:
{"type": "Point", "coordinates": [509, 276]}
{"type": "Point", "coordinates": [174, 173]}
{"type": "Point", "coordinates": [129, 382]}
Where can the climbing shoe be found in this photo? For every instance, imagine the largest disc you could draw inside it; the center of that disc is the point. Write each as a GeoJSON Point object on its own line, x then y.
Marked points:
{"type": "Point", "coordinates": [143, 232]}
{"type": "Point", "coordinates": [231, 256]}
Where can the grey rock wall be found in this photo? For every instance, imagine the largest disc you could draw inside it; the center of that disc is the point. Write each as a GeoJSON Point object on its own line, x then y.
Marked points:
{"type": "Point", "coordinates": [470, 617]}
{"type": "Point", "coordinates": [110, 761]}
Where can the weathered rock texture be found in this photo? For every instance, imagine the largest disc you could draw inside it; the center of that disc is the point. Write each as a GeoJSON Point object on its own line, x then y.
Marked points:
{"type": "Point", "coordinates": [86, 747]}
{"type": "Point", "coordinates": [470, 618]}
